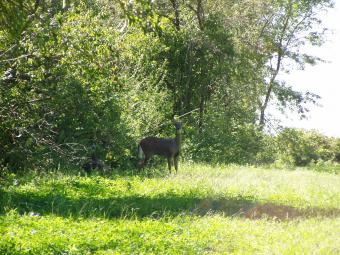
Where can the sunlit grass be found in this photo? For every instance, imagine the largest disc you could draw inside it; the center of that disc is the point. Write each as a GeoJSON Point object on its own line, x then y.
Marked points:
{"type": "Point", "coordinates": [201, 210]}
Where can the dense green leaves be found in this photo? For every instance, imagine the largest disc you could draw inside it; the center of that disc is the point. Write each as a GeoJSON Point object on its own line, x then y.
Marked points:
{"type": "Point", "coordinates": [298, 147]}
{"type": "Point", "coordinates": [81, 78]}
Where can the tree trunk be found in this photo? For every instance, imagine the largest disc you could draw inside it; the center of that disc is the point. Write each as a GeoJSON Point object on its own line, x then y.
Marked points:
{"type": "Point", "coordinates": [200, 14]}
{"type": "Point", "coordinates": [280, 55]}
{"type": "Point", "coordinates": [201, 115]}
{"type": "Point", "coordinates": [175, 6]}
{"type": "Point", "coordinates": [270, 89]}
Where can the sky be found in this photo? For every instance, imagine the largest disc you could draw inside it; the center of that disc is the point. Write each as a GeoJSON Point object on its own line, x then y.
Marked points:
{"type": "Point", "coordinates": [322, 79]}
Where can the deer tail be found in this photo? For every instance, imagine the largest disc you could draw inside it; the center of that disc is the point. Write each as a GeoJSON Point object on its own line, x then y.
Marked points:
{"type": "Point", "coordinates": [140, 152]}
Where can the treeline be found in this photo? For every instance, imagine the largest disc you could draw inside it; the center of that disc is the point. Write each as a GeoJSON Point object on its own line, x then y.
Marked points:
{"type": "Point", "coordinates": [92, 77]}
{"type": "Point", "coordinates": [297, 147]}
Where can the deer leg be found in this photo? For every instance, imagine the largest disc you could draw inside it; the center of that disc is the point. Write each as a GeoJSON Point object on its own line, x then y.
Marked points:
{"type": "Point", "coordinates": [176, 162]}
{"type": "Point", "coordinates": [169, 163]}
{"type": "Point", "coordinates": [143, 162]}
{"type": "Point", "coordinates": [146, 159]}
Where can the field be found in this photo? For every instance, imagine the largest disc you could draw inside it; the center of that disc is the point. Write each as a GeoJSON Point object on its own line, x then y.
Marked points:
{"type": "Point", "coordinates": [200, 210]}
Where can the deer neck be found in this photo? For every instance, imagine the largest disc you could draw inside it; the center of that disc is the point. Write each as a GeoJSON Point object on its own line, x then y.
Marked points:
{"type": "Point", "coordinates": [178, 137]}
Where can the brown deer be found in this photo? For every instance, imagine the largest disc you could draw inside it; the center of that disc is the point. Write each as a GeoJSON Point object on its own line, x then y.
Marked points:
{"type": "Point", "coordinates": [167, 147]}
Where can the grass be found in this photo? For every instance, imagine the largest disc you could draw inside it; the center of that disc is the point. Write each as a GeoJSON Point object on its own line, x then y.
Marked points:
{"type": "Point", "coordinates": [201, 210]}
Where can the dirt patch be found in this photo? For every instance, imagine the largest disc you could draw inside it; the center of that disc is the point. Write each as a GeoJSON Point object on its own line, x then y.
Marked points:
{"type": "Point", "coordinates": [228, 207]}
{"type": "Point", "coordinates": [251, 210]}
{"type": "Point", "coordinates": [283, 212]}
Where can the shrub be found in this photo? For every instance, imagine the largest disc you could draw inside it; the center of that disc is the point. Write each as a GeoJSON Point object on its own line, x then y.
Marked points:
{"type": "Point", "coordinates": [300, 148]}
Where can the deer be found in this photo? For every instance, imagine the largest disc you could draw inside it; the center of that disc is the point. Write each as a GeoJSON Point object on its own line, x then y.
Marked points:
{"type": "Point", "coordinates": [168, 147]}
{"type": "Point", "coordinates": [93, 163]}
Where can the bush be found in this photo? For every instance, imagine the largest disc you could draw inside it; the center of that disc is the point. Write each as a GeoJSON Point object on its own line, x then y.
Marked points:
{"type": "Point", "coordinates": [301, 148]}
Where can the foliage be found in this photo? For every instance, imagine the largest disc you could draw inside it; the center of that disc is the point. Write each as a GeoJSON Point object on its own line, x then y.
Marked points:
{"type": "Point", "coordinates": [225, 138]}
{"type": "Point", "coordinates": [91, 78]}
{"type": "Point", "coordinates": [298, 147]}
{"type": "Point", "coordinates": [67, 99]}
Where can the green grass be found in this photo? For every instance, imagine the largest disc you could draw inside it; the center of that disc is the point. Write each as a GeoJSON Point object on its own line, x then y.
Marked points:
{"type": "Point", "coordinates": [201, 210]}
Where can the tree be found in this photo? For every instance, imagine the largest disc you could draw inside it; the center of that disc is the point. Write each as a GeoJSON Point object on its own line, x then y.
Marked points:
{"type": "Point", "coordinates": [290, 25]}
{"type": "Point", "coordinates": [82, 77]}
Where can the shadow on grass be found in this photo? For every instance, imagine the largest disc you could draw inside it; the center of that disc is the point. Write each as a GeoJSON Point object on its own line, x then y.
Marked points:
{"type": "Point", "coordinates": [168, 204]}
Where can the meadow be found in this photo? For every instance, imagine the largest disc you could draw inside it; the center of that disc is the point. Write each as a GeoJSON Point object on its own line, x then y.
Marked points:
{"type": "Point", "coordinates": [201, 210]}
